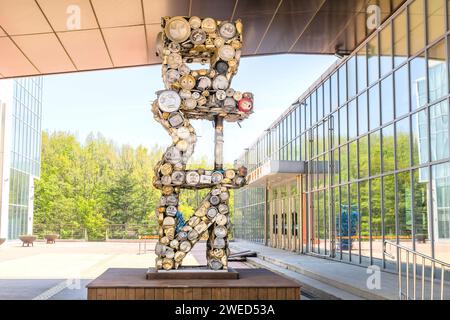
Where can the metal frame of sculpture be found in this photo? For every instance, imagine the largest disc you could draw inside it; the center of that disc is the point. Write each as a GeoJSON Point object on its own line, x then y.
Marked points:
{"type": "Point", "coordinates": [197, 94]}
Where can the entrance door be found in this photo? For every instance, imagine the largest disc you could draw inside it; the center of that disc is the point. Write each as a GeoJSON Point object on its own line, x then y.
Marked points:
{"type": "Point", "coordinates": [294, 216]}
{"type": "Point", "coordinates": [285, 213]}
{"type": "Point", "coordinates": [274, 217]}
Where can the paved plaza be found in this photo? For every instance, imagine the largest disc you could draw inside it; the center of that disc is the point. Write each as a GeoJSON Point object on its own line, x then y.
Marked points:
{"type": "Point", "coordinates": [61, 270]}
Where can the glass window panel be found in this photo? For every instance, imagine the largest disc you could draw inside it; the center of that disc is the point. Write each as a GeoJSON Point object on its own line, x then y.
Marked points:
{"type": "Point", "coordinates": [335, 119]}
{"type": "Point", "coordinates": [364, 218]}
{"type": "Point", "coordinates": [448, 14]}
{"type": "Point", "coordinates": [320, 139]}
{"type": "Point", "coordinates": [375, 202]}
{"type": "Point", "coordinates": [363, 157]}
{"type": "Point", "coordinates": [437, 72]}
{"type": "Point", "coordinates": [436, 19]}
{"type": "Point", "coordinates": [353, 159]}
{"type": "Point", "coordinates": [420, 137]}
{"type": "Point", "coordinates": [303, 147]}
{"type": "Point", "coordinates": [441, 207]}
{"type": "Point", "coordinates": [374, 107]}
{"type": "Point", "coordinates": [337, 168]}
{"type": "Point", "coordinates": [343, 164]}
{"type": "Point", "coordinates": [387, 100]}
{"type": "Point", "coordinates": [351, 73]}
{"type": "Point", "coordinates": [343, 226]}
{"type": "Point", "coordinates": [402, 143]}
{"type": "Point", "coordinates": [386, 50]}
{"type": "Point", "coordinates": [353, 219]}
{"type": "Point", "coordinates": [401, 91]}
{"type": "Point", "coordinates": [313, 108]}
{"type": "Point", "coordinates": [389, 207]}
{"type": "Point", "coordinates": [420, 210]}
{"type": "Point", "coordinates": [307, 115]}
{"type": "Point", "coordinates": [439, 142]}
{"type": "Point", "coordinates": [352, 120]}
{"type": "Point", "coordinates": [418, 82]}
{"type": "Point", "coordinates": [327, 100]}
{"type": "Point", "coordinates": [375, 166]}
{"type": "Point", "coordinates": [388, 149]}
{"type": "Point", "coordinates": [342, 84]}
{"type": "Point", "coordinates": [362, 69]}
{"type": "Point", "coordinates": [400, 39]}
{"type": "Point", "coordinates": [320, 103]}
{"type": "Point", "coordinates": [416, 26]}
{"type": "Point", "coordinates": [362, 114]}
{"type": "Point", "coordinates": [334, 91]}
{"type": "Point", "coordinates": [343, 125]}
{"type": "Point", "coordinates": [404, 194]}
{"type": "Point", "coordinates": [372, 53]}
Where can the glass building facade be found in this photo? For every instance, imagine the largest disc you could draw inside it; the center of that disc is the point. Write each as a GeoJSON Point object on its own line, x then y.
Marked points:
{"type": "Point", "coordinates": [24, 153]}
{"type": "Point", "coordinates": [374, 135]}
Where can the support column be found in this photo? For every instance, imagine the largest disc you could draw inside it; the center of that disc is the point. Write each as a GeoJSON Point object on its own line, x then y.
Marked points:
{"type": "Point", "coordinates": [218, 143]}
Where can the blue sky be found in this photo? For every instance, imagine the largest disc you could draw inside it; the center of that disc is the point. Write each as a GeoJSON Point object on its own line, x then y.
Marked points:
{"type": "Point", "coordinates": [116, 103]}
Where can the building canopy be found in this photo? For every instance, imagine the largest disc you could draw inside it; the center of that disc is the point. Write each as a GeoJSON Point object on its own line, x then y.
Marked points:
{"type": "Point", "coordinates": [54, 36]}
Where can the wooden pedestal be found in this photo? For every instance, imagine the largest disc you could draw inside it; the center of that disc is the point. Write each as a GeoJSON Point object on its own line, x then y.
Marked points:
{"type": "Point", "coordinates": [131, 284]}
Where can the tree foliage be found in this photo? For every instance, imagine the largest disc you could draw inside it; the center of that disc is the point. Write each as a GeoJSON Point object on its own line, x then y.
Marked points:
{"type": "Point", "coordinates": [90, 186]}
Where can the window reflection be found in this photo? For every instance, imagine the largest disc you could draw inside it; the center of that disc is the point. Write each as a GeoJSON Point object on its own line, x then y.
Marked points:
{"type": "Point", "coordinates": [386, 50]}
{"type": "Point", "coordinates": [362, 69]}
{"type": "Point", "coordinates": [343, 163]}
{"type": "Point", "coordinates": [416, 26]}
{"type": "Point", "coordinates": [362, 114]}
{"type": "Point", "coordinates": [437, 71]}
{"type": "Point", "coordinates": [353, 159]}
{"type": "Point", "coordinates": [334, 91]}
{"type": "Point", "coordinates": [351, 67]}
{"type": "Point", "coordinates": [389, 207]}
{"type": "Point", "coordinates": [418, 82]}
{"type": "Point", "coordinates": [441, 207]}
{"type": "Point", "coordinates": [352, 120]}
{"type": "Point", "coordinates": [436, 19]}
{"type": "Point", "coordinates": [343, 125]}
{"type": "Point", "coordinates": [363, 157]}
{"type": "Point", "coordinates": [439, 131]}
{"type": "Point", "coordinates": [400, 39]}
{"type": "Point", "coordinates": [387, 100]}
{"type": "Point", "coordinates": [375, 166]}
{"type": "Point", "coordinates": [404, 194]}
{"type": "Point", "coordinates": [388, 149]}
{"type": "Point", "coordinates": [420, 137]}
{"type": "Point", "coordinates": [372, 53]}
{"type": "Point", "coordinates": [401, 91]}
{"type": "Point", "coordinates": [342, 84]}
{"type": "Point", "coordinates": [402, 143]}
{"type": "Point", "coordinates": [320, 103]}
{"type": "Point", "coordinates": [326, 97]}
{"type": "Point", "coordinates": [420, 209]}
{"type": "Point", "coordinates": [374, 107]}
{"type": "Point", "coordinates": [375, 202]}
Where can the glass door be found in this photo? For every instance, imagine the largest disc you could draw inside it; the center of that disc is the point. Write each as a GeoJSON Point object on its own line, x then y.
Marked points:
{"type": "Point", "coordinates": [320, 203]}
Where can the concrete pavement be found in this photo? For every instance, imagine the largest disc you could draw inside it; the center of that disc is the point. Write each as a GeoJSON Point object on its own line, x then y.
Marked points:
{"type": "Point", "coordinates": [335, 279]}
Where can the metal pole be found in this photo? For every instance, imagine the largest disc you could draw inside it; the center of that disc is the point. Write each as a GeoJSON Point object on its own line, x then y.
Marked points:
{"type": "Point", "coordinates": [218, 143]}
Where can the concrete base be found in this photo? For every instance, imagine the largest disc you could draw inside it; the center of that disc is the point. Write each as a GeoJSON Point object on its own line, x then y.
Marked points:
{"type": "Point", "coordinates": [253, 284]}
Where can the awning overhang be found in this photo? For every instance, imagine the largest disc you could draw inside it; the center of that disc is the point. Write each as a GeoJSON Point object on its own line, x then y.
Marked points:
{"type": "Point", "coordinates": [38, 37]}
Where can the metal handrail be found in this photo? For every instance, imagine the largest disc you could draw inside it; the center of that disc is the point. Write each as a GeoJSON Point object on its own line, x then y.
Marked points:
{"type": "Point", "coordinates": [414, 255]}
